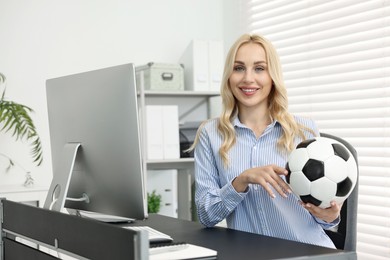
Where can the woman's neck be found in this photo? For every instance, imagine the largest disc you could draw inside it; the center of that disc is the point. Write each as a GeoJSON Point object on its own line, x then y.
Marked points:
{"type": "Point", "coordinates": [255, 119]}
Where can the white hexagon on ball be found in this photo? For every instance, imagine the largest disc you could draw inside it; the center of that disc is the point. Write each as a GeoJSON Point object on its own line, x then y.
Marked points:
{"type": "Point", "coordinates": [298, 159]}
{"type": "Point", "coordinates": [317, 150]}
{"type": "Point", "coordinates": [300, 183]}
{"type": "Point", "coordinates": [336, 169]}
{"type": "Point", "coordinates": [324, 190]}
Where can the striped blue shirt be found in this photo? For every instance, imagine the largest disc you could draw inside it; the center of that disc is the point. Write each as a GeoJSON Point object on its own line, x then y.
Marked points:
{"type": "Point", "coordinates": [254, 210]}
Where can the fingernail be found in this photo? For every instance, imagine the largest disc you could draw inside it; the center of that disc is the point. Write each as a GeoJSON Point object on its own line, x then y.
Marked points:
{"type": "Point", "coordinates": [273, 196]}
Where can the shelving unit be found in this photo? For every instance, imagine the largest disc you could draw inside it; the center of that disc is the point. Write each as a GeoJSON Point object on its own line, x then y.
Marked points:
{"type": "Point", "coordinates": [192, 106]}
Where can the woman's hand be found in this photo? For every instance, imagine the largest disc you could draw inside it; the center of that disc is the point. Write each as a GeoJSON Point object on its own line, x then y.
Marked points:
{"type": "Point", "coordinates": [266, 176]}
{"type": "Point", "coordinates": [329, 214]}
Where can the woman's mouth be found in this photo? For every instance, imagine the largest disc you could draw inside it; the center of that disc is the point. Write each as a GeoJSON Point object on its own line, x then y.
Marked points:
{"type": "Point", "coordinates": [249, 91]}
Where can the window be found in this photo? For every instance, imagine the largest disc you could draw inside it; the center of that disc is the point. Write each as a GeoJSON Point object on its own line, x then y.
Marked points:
{"type": "Point", "coordinates": [336, 63]}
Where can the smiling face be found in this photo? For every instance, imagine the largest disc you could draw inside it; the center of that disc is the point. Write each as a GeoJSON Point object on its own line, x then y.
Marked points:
{"type": "Point", "coordinates": [250, 81]}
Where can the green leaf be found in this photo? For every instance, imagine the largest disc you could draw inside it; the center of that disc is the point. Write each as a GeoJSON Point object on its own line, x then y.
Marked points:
{"type": "Point", "coordinates": [16, 119]}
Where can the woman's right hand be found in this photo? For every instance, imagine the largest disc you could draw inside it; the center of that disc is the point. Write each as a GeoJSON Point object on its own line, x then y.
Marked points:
{"type": "Point", "coordinates": [266, 176]}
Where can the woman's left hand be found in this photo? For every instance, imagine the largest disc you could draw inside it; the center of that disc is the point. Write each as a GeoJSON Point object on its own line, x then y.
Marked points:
{"type": "Point", "coordinates": [328, 214]}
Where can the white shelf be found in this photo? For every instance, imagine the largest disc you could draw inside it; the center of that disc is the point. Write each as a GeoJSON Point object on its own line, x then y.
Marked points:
{"type": "Point", "coordinates": [180, 93]}
{"type": "Point", "coordinates": [182, 163]}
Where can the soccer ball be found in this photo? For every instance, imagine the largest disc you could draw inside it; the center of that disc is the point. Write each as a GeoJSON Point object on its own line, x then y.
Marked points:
{"type": "Point", "coordinates": [321, 170]}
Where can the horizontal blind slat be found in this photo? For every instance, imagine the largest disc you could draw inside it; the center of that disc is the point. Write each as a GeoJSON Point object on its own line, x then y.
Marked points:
{"type": "Point", "coordinates": [340, 105]}
{"type": "Point", "coordinates": [379, 162]}
{"type": "Point", "coordinates": [379, 241]}
{"type": "Point", "coordinates": [359, 95]}
{"type": "Point", "coordinates": [373, 251]}
{"type": "Point", "coordinates": [355, 129]}
{"type": "Point", "coordinates": [380, 62]}
{"type": "Point", "coordinates": [373, 171]}
{"type": "Point", "coordinates": [349, 127]}
{"type": "Point", "coordinates": [363, 114]}
{"type": "Point", "coordinates": [374, 152]}
{"type": "Point", "coordinates": [340, 77]}
{"type": "Point", "coordinates": [366, 256]}
{"type": "Point", "coordinates": [338, 87]}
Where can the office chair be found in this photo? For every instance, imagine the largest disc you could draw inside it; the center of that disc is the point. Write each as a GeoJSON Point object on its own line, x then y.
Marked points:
{"type": "Point", "coordinates": [345, 236]}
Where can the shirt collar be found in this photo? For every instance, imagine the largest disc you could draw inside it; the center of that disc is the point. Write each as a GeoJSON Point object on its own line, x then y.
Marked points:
{"type": "Point", "coordinates": [237, 123]}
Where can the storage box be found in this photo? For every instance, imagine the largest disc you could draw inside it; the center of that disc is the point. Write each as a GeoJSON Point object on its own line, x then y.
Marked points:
{"type": "Point", "coordinates": [203, 61]}
{"type": "Point", "coordinates": [162, 132]}
{"type": "Point", "coordinates": [161, 76]}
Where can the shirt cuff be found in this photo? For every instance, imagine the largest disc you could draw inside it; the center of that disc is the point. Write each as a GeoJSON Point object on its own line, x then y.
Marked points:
{"type": "Point", "coordinates": [328, 225]}
{"type": "Point", "coordinates": [230, 197]}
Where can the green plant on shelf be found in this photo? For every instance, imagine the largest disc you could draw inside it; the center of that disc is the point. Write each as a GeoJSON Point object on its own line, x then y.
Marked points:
{"type": "Point", "coordinates": [154, 202]}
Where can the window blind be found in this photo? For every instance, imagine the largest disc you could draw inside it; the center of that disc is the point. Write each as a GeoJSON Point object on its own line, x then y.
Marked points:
{"type": "Point", "coordinates": [336, 62]}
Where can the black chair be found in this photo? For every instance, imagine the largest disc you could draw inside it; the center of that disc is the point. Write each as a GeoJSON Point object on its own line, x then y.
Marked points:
{"type": "Point", "coordinates": [345, 236]}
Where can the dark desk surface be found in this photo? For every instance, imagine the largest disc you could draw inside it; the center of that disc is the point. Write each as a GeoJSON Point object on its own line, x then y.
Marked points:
{"type": "Point", "coordinates": [232, 244]}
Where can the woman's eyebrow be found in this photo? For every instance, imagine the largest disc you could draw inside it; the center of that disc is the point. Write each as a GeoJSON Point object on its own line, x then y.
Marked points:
{"type": "Point", "coordinates": [256, 62]}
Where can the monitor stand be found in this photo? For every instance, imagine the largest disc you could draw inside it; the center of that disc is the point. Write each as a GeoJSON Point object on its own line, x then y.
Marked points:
{"type": "Point", "coordinates": [57, 194]}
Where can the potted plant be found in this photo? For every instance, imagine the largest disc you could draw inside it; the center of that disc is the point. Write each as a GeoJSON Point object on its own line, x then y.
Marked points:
{"type": "Point", "coordinates": [154, 202]}
{"type": "Point", "coordinates": [15, 119]}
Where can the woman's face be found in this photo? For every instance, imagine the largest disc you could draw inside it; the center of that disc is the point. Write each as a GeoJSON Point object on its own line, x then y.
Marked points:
{"type": "Point", "coordinates": [250, 81]}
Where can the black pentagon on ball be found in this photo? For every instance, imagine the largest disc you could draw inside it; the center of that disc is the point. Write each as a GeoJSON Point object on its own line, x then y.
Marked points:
{"type": "Point", "coordinates": [313, 169]}
{"type": "Point", "coordinates": [288, 173]}
{"type": "Point", "coordinates": [305, 143]}
{"type": "Point", "coordinates": [310, 199]}
{"type": "Point", "coordinates": [341, 151]}
{"type": "Point", "coordinates": [344, 187]}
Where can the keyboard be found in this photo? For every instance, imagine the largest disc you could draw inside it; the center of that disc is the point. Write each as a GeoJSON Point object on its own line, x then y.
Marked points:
{"type": "Point", "coordinates": [166, 247]}
{"type": "Point", "coordinates": [181, 250]}
{"type": "Point", "coordinates": [154, 235]}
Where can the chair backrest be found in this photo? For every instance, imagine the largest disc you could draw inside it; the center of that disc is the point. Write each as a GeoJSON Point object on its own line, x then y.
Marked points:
{"type": "Point", "coordinates": [345, 236]}
{"type": "Point", "coordinates": [61, 233]}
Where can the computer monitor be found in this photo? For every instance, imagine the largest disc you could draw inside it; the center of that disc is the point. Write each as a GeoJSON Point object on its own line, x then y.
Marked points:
{"type": "Point", "coordinates": [95, 143]}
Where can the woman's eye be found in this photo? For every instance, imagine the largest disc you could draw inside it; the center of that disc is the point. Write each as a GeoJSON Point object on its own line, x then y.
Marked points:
{"type": "Point", "coordinates": [259, 69]}
{"type": "Point", "coordinates": [239, 68]}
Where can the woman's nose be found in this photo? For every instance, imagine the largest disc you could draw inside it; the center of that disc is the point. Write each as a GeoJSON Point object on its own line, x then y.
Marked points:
{"type": "Point", "coordinates": [248, 76]}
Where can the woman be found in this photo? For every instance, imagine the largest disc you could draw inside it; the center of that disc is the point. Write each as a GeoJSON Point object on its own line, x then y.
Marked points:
{"type": "Point", "coordinates": [240, 157]}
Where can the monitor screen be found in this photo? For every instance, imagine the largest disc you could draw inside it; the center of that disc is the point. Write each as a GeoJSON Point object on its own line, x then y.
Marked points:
{"type": "Point", "coordinates": [95, 143]}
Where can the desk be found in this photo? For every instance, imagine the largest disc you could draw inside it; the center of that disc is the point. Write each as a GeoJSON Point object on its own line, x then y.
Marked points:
{"type": "Point", "coordinates": [232, 244]}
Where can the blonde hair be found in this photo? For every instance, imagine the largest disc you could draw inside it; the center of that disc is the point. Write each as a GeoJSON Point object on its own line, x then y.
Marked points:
{"type": "Point", "coordinates": [277, 100]}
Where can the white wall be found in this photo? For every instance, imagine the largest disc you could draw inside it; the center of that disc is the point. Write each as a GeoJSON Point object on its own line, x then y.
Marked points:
{"type": "Point", "coordinates": [43, 39]}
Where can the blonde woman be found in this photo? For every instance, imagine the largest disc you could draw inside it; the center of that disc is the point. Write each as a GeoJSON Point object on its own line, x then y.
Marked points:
{"type": "Point", "coordinates": [240, 157]}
